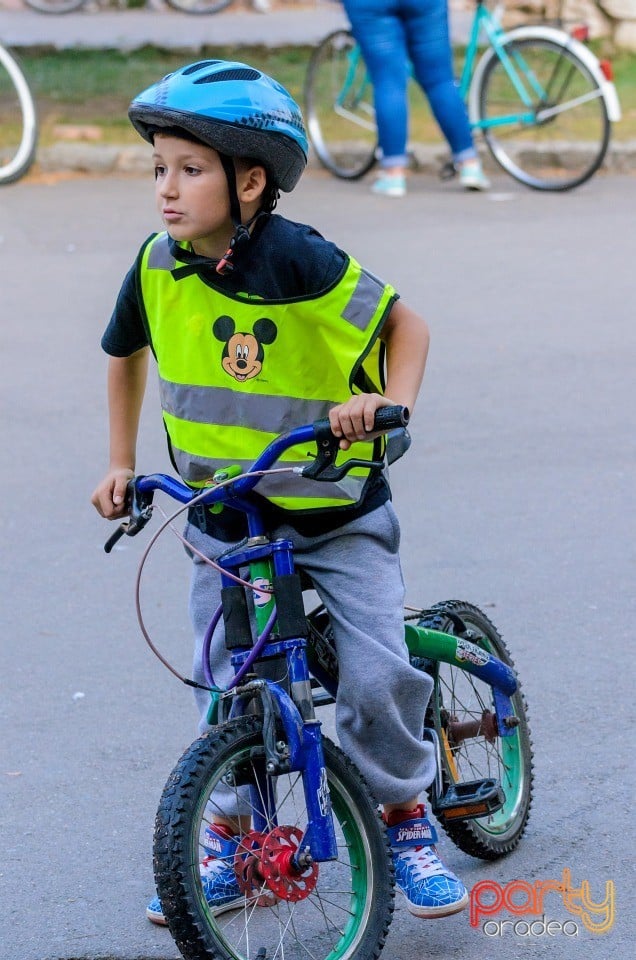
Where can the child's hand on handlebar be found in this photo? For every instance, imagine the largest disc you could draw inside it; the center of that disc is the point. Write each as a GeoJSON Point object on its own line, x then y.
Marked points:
{"type": "Point", "coordinates": [354, 419]}
{"type": "Point", "coordinates": [109, 497]}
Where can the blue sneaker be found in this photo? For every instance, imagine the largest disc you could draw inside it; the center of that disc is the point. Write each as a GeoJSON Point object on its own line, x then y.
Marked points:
{"type": "Point", "coordinates": [155, 913]}
{"type": "Point", "coordinates": [431, 890]}
{"type": "Point", "coordinates": [218, 878]}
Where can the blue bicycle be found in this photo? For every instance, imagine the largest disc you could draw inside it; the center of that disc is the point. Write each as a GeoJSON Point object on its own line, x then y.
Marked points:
{"type": "Point", "coordinates": [537, 96]}
{"type": "Point", "coordinates": [309, 851]}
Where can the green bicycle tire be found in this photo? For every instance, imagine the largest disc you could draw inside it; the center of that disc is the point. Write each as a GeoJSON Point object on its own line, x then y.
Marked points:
{"type": "Point", "coordinates": [463, 696]}
{"type": "Point", "coordinates": [345, 917]}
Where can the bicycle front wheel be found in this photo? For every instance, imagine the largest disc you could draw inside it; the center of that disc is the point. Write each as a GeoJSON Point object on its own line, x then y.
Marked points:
{"type": "Point", "coordinates": [18, 120]}
{"type": "Point", "coordinates": [199, 6]}
{"type": "Point", "coordinates": [559, 139]}
{"type": "Point", "coordinates": [339, 107]}
{"type": "Point", "coordinates": [338, 909]}
{"type": "Point", "coordinates": [463, 715]}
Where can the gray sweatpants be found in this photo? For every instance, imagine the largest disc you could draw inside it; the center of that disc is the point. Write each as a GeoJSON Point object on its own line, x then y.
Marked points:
{"type": "Point", "coordinates": [381, 698]}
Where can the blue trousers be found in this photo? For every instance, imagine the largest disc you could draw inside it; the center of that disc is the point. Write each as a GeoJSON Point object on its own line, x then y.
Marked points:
{"type": "Point", "coordinates": [390, 33]}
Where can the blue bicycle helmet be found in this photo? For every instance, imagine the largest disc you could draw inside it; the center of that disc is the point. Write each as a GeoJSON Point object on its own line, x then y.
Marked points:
{"type": "Point", "coordinates": [232, 107]}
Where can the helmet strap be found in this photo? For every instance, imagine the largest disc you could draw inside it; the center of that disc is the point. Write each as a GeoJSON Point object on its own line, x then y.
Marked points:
{"type": "Point", "coordinates": [193, 262]}
{"type": "Point", "coordinates": [241, 231]}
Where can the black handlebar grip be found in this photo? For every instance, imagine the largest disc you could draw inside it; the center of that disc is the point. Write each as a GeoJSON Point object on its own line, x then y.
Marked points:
{"type": "Point", "coordinates": [117, 535]}
{"type": "Point", "coordinates": [391, 418]}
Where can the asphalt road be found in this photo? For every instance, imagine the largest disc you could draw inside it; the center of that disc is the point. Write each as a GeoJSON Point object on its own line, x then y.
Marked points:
{"type": "Point", "coordinates": [518, 495]}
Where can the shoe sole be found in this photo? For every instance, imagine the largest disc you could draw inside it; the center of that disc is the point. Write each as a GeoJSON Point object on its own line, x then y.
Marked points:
{"type": "Point", "coordinates": [233, 905]}
{"type": "Point", "coordinates": [160, 920]}
{"type": "Point", "coordinates": [475, 185]}
{"type": "Point", "coordinates": [156, 918]}
{"type": "Point", "coordinates": [432, 913]}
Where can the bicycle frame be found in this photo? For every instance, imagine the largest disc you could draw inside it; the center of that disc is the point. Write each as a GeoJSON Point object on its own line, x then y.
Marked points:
{"type": "Point", "coordinates": [291, 732]}
{"type": "Point", "coordinates": [483, 21]}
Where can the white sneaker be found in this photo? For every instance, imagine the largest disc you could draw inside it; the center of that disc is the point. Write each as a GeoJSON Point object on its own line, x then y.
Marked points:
{"type": "Point", "coordinates": [389, 185]}
{"type": "Point", "coordinates": [472, 176]}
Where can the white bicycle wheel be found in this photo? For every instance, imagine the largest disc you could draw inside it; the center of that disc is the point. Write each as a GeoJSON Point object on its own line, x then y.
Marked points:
{"type": "Point", "coordinates": [339, 107]}
{"type": "Point", "coordinates": [199, 6]}
{"type": "Point", "coordinates": [55, 6]}
{"type": "Point", "coordinates": [18, 120]}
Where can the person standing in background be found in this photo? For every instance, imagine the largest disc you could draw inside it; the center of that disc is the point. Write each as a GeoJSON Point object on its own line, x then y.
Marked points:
{"type": "Point", "coordinates": [392, 33]}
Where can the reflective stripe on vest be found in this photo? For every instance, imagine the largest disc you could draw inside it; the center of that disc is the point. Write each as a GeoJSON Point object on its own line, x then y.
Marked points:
{"type": "Point", "coordinates": [236, 372]}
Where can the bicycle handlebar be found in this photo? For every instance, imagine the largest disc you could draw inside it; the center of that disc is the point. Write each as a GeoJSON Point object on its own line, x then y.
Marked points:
{"type": "Point", "coordinates": [140, 490]}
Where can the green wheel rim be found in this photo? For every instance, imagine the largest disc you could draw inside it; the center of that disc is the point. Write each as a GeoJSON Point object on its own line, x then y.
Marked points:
{"type": "Point", "coordinates": [360, 867]}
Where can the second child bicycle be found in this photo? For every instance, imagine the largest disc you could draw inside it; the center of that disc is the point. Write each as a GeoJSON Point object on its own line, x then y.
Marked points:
{"type": "Point", "coordinates": [310, 855]}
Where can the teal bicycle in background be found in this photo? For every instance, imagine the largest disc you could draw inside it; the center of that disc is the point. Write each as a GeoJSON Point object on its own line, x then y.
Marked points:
{"type": "Point", "coordinates": [537, 96]}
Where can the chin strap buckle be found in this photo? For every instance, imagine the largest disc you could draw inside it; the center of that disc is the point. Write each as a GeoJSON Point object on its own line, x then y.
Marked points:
{"type": "Point", "coordinates": [241, 235]}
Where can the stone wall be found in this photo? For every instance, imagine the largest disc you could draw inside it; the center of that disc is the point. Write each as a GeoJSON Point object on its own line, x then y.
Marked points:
{"type": "Point", "coordinates": [615, 19]}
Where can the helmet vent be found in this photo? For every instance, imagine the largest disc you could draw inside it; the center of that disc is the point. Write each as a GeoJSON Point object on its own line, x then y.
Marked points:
{"type": "Point", "coordinates": [238, 73]}
{"type": "Point", "coordinates": [195, 67]}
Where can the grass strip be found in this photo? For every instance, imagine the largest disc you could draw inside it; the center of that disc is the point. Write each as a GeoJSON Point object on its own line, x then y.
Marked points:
{"type": "Point", "coordinates": [93, 88]}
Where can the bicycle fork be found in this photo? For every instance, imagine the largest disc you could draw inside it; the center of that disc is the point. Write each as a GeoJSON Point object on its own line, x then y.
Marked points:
{"type": "Point", "coordinates": [277, 686]}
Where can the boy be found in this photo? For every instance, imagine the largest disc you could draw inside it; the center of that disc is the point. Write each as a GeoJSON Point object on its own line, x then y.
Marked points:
{"type": "Point", "coordinates": [257, 325]}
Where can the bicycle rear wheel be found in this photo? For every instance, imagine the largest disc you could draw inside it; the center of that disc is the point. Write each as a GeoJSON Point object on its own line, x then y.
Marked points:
{"type": "Point", "coordinates": [338, 909]}
{"type": "Point", "coordinates": [561, 139]}
{"type": "Point", "coordinates": [18, 120]}
{"type": "Point", "coordinates": [462, 712]}
{"type": "Point", "coordinates": [339, 107]}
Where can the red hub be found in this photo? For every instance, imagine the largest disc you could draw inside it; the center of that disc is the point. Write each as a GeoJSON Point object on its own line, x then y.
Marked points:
{"type": "Point", "coordinates": [247, 867]}
{"type": "Point", "coordinates": [282, 876]}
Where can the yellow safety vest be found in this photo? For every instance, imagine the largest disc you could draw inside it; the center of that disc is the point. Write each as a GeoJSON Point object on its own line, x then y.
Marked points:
{"type": "Point", "coordinates": [235, 372]}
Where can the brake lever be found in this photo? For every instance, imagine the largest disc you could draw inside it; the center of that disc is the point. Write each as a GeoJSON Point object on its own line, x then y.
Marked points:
{"type": "Point", "coordinates": [316, 471]}
{"type": "Point", "coordinates": [140, 514]}
{"type": "Point", "coordinates": [392, 419]}
{"type": "Point", "coordinates": [323, 467]}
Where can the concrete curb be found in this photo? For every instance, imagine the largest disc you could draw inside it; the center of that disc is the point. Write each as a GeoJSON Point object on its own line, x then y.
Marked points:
{"type": "Point", "coordinates": [135, 160]}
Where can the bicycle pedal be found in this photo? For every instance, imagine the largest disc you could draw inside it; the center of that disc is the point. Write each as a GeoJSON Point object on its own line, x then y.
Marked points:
{"type": "Point", "coordinates": [469, 800]}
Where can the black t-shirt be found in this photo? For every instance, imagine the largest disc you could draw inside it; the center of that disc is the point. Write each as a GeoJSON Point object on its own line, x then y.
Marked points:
{"type": "Point", "coordinates": [283, 260]}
